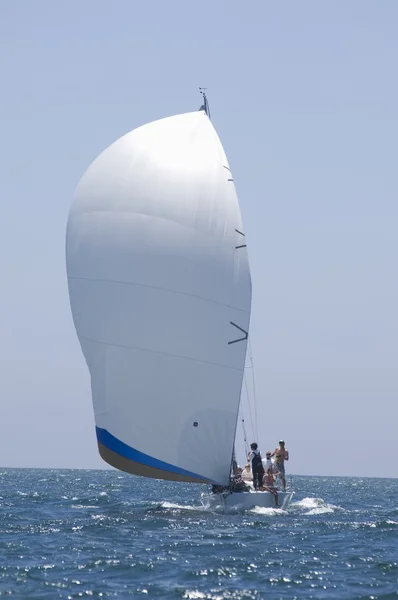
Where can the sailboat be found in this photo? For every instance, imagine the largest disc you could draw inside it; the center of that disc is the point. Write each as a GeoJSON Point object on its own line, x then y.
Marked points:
{"type": "Point", "coordinates": [160, 292]}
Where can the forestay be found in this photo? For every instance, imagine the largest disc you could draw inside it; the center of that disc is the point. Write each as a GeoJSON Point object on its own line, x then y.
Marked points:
{"type": "Point", "coordinates": [160, 290]}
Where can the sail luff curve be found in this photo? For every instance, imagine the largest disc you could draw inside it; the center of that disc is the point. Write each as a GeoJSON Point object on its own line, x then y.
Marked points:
{"type": "Point", "coordinates": [160, 291]}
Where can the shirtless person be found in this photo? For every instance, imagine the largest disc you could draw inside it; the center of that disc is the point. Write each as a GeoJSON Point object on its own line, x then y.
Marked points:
{"type": "Point", "coordinates": [269, 484]}
{"type": "Point", "coordinates": [281, 454]}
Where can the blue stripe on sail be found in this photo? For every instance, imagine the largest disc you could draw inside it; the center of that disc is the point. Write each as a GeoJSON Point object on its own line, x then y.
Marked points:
{"type": "Point", "coordinates": [112, 443]}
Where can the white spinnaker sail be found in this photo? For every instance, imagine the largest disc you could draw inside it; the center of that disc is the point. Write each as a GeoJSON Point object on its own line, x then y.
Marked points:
{"type": "Point", "coordinates": [159, 286]}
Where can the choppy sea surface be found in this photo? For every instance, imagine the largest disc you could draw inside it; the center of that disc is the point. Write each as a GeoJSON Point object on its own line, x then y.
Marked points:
{"type": "Point", "coordinates": [105, 534]}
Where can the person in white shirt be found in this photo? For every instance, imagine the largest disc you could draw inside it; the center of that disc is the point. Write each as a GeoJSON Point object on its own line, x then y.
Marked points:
{"type": "Point", "coordinates": [268, 463]}
{"type": "Point", "coordinates": [247, 474]}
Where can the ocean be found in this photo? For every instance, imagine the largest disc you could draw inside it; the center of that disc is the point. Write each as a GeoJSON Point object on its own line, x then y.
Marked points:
{"type": "Point", "coordinates": [105, 534]}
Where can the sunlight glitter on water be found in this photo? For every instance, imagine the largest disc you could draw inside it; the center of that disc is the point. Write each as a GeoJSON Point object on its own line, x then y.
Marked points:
{"type": "Point", "coordinates": [107, 536]}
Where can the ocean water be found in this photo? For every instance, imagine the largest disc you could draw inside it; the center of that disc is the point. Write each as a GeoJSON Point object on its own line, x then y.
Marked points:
{"type": "Point", "coordinates": [104, 534]}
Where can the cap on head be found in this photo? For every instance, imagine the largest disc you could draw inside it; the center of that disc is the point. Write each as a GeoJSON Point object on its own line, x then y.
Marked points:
{"type": "Point", "coordinates": [281, 441]}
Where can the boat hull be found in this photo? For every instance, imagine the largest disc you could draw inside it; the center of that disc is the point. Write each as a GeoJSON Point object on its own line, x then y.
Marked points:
{"type": "Point", "coordinates": [246, 500]}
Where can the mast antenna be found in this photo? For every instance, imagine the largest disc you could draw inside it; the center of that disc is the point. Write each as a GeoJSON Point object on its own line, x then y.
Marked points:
{"type": "Point", "coordinates": [205, 106]}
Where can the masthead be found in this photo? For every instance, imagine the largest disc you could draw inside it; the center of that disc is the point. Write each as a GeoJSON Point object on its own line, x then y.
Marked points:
{"type": "Point", "coordinates": [205, 106]}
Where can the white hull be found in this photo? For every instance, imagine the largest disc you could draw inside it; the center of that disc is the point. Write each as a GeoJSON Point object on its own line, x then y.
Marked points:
{"type": "Point", "coordinates": [246, 500]}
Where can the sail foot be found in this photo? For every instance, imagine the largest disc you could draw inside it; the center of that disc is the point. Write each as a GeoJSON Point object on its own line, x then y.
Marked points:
{"type": "Point", "coordinates": [135, 468]}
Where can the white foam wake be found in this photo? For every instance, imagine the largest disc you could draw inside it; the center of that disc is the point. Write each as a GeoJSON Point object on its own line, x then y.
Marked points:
{"type": "Point", "coordinates": [268, 512]}
{"type": "Point", "coordinates": [315, 506]}
{"type": "Point", "coordinates": [172, 506]}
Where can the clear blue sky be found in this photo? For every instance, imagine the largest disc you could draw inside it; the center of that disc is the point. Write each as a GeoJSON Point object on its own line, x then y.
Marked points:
{"type": "Point", "coordinates": [304, 96]}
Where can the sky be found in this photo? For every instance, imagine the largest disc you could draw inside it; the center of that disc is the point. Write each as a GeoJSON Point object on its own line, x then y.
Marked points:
{"type": "Point", "coordinates": [304, 97]}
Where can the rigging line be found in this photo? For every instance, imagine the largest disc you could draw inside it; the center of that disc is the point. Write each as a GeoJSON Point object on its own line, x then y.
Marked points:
{"type": "Point", "coordinates": [254, 387]}
{"type": "Point", "coordinates": [248, 403]}
{"type": "Point", "coordinates": [244, 433]}
{"type": "Point", "coordinates": [245, 442]}
{"type": "Point", "coordinates": [253, 424]}
{"type": "Point", "coordinates": [242, 416]}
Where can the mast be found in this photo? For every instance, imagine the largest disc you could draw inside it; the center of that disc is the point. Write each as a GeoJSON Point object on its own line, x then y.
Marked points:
{"type": "Point", "coordinates": [205, 106]}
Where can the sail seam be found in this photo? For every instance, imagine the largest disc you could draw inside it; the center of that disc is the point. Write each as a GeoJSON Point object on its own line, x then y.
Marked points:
{"type": "Point", "coordinates": [206, 362]}
{"type": "Point", "coordinates": [200, 230]}
{"type": "Point", "coordinates": [154, 287]}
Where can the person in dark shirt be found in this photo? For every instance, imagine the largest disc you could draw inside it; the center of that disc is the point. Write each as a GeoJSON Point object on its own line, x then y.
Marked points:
{"type": "Point", "coordinates": [254, 457]}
